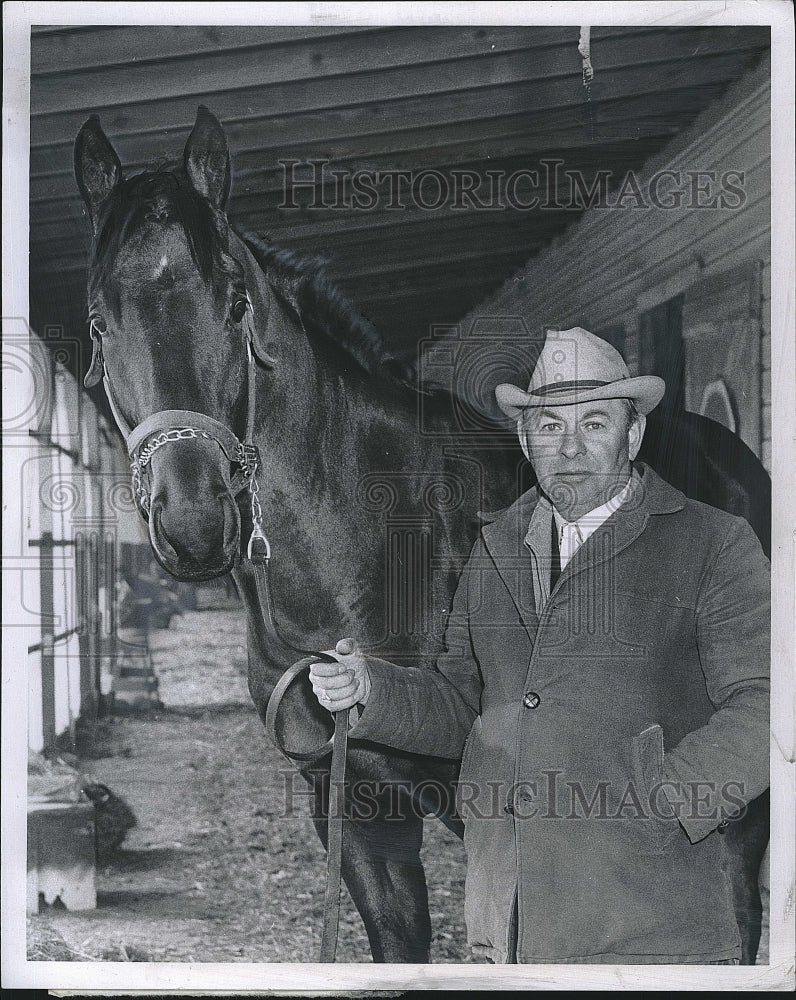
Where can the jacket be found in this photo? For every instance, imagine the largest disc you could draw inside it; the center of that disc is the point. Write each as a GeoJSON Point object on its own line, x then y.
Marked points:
{"type": "Point", "coordinates": [606, 737]}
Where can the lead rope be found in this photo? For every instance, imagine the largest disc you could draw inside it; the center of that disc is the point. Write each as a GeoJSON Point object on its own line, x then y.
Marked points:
{"type": "Point", "coordinates": [258, 552]}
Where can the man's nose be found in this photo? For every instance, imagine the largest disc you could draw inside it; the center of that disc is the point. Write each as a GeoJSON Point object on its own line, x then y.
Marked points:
{"type": "Point", "coordinates": [571, 445]}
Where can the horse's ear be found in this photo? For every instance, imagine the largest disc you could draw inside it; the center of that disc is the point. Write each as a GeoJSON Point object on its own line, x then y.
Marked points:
{"type": "Point", "coordinates": [206, 158]}
{"type": "Point", "coordinates": [97, 167]}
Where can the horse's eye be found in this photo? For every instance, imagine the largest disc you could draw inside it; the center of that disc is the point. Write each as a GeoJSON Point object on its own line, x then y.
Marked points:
{"type": "Point", "coordinates": [239, 307]}
{"type": "Point", "coordinates": [99, 326]}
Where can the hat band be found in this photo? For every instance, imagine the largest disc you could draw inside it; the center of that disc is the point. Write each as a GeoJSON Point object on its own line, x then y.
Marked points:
{"type": "Point", "coordinates": [560, 387]}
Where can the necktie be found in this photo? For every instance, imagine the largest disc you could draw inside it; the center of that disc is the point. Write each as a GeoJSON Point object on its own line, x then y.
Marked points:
{"type": "Point", "coordinates": [555, 554]}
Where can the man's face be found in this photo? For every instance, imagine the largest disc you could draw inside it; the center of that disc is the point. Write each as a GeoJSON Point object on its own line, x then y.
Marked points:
{"type": "Point", "coordinates": [580, 453]}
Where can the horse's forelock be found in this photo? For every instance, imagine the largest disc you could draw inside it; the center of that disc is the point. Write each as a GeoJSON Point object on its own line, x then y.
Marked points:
{"type": "Point", "coordinates": [167, 195]}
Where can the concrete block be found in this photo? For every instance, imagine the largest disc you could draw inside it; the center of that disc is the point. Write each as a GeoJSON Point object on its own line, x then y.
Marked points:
{"type": "Point", "coordinates": [61, 856]}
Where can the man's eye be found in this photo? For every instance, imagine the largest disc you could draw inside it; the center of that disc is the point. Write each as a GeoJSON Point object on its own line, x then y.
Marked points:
{"type": "Point", "coordinates": [594, 425]}
{"type": "Point", "coordinates": [550, 428]}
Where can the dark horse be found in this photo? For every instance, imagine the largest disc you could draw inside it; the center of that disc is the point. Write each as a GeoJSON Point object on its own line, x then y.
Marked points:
{"type": "Point", "coordinates": [371, 518]}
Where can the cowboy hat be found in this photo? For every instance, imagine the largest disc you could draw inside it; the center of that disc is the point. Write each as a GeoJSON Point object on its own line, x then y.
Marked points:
{"type": "Point", "coordinates": [574, 366]}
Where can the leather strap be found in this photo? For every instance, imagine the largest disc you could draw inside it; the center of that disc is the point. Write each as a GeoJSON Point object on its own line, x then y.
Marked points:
{"type": "Point", "coordinates": [334, 838]}
{"type": "Point", "coordinates": [166, 420]}
{"type": "Point", "coordinates": [259, 555]}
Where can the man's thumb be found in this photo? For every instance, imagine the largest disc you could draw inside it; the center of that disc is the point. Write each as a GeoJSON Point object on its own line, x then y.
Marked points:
{"type": "Point", "coordinates": [345, 647]}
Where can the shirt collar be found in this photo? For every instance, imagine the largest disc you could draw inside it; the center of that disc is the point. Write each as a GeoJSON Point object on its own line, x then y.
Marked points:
{"type": "Point", "coordinates": [588, 523]}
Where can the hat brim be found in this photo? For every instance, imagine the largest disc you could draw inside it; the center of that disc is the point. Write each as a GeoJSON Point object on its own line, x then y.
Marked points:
{"type": "Point", "coordinates": [646, 391]}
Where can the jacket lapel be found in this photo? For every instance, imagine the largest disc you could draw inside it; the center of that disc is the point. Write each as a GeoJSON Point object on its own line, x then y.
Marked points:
{"type": "Point", "coordinates": [503, 539]}
{"type": "Point", "coordinates": [651, 495]}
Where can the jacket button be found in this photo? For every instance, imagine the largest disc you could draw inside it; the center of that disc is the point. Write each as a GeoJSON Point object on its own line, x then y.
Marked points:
{"type": "Point", "coordinates": [531, 699]}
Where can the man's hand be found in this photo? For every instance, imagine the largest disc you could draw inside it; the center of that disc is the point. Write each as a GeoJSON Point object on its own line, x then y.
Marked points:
{"type": "Point", "coordinates": [340, 685]}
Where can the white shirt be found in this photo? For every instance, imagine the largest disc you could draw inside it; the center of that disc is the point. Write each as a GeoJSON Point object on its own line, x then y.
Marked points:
{"type": "Point", "coordinates": [572, 534]}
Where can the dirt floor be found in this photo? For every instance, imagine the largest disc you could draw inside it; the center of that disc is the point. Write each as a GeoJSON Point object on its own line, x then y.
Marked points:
{"type": "Point", "coordinates": [218, 869]}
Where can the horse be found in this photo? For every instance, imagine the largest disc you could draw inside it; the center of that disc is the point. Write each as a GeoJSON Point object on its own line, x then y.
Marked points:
{"type": "Point", "coordinates": [369, 504]}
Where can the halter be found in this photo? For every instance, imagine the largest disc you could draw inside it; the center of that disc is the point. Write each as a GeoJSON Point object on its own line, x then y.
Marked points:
{"type": "Point", "coordinates": [171, 426]}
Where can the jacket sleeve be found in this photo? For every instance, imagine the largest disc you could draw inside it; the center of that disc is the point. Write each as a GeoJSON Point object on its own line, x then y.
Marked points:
{"type": "Point", "coordinates": [725, 764]}
{"type": "Point", "coordinates": [427, 711]}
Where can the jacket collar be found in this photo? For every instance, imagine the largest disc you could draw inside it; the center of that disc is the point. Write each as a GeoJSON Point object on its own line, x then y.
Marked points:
{"type": "Point", "coordinates": [504, 532]}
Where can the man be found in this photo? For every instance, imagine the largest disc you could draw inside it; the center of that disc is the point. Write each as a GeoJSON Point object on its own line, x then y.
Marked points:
{"type": "Point", "coordinates": [606, 679]}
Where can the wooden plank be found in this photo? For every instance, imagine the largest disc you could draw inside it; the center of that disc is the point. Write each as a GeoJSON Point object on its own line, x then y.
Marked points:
{"type": "Point", "coordinates": [334, 56]}
{"type": "Point", "coordinates": [765, 320]}
{"type": "Point", "coordinates": [71, 207]}
{"type": "Point", "coordinates": [77, 48]}
{"type": "Point", "coordinates": [107, 45]}
{"type": "Point", "coordinates": [280, 104]}
{"type": "Point", "coordinates": [403, 266]}
{"type": "Point", "coordinates": [271, 168]}
{"type": "Point", "coordinates": [430, 279]}
{"type": "Point", "coordinates": [389, 268]}
{"type": "Point", "coordinates": [440, 240]}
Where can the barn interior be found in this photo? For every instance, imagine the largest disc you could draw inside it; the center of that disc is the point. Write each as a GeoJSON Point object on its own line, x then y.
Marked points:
{"type": "Point", "coordinates": [420, 162]}
{"type": "Point", "coordinates": [425, 166]}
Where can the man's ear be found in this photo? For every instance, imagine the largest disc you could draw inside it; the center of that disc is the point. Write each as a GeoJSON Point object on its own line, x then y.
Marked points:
{"type": "Point", "coordinates": [206, 158]}
{"type": "Point", "coordinates": [635, 436]}
{"type": "Point", "coordinates": [97, 167]}
{"type": "Point", "coordinates": [522, 434]}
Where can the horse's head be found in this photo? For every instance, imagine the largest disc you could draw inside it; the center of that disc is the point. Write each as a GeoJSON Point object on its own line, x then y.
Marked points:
{"type": "Point", "coordinates": [170, 317]}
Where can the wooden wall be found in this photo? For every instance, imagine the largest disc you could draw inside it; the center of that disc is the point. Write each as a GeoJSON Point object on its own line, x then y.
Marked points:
{"type": "Point", "coordinates": [78, 508]}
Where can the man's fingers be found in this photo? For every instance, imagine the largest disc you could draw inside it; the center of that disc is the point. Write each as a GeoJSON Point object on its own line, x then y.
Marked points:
{"type": "Point", "coordinates": [338, 699]}
{"type": "Point", "coordinates": [327, 669]}
{"type": "Point", "coordinates": [334, 683]}
{"type": "Point", "coordinates": [338, 685]}
{"type": "Point", "coordinates": [335, 699]}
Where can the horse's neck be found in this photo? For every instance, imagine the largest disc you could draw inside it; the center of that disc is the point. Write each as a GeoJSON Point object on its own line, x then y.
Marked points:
{"type": "Point", "coordinates": [327, 545]}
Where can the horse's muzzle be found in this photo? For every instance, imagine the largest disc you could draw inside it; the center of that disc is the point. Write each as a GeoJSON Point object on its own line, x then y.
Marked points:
{"type": "Point", "coordinates": [195, 544]}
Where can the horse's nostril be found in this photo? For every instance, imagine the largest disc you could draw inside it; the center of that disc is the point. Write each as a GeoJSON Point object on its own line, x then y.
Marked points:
{"type": "Point", "coordinates": [158, 537]}
{"type": "Point", "coordinates": [231, 522]}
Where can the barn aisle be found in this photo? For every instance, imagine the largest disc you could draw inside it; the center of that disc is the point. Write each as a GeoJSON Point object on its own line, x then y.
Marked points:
{"type": "Point", "coordinates": [223, 865]}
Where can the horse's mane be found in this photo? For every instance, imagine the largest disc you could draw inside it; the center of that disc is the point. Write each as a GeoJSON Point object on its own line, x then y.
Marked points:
{"type": "Point", "coordinates": [300, 280]}
{"type": "Point", "coordinates": [324, 310]}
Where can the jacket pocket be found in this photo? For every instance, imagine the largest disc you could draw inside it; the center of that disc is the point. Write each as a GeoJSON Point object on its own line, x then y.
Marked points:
{"type": "Point", "coordinates": [659, 825]}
